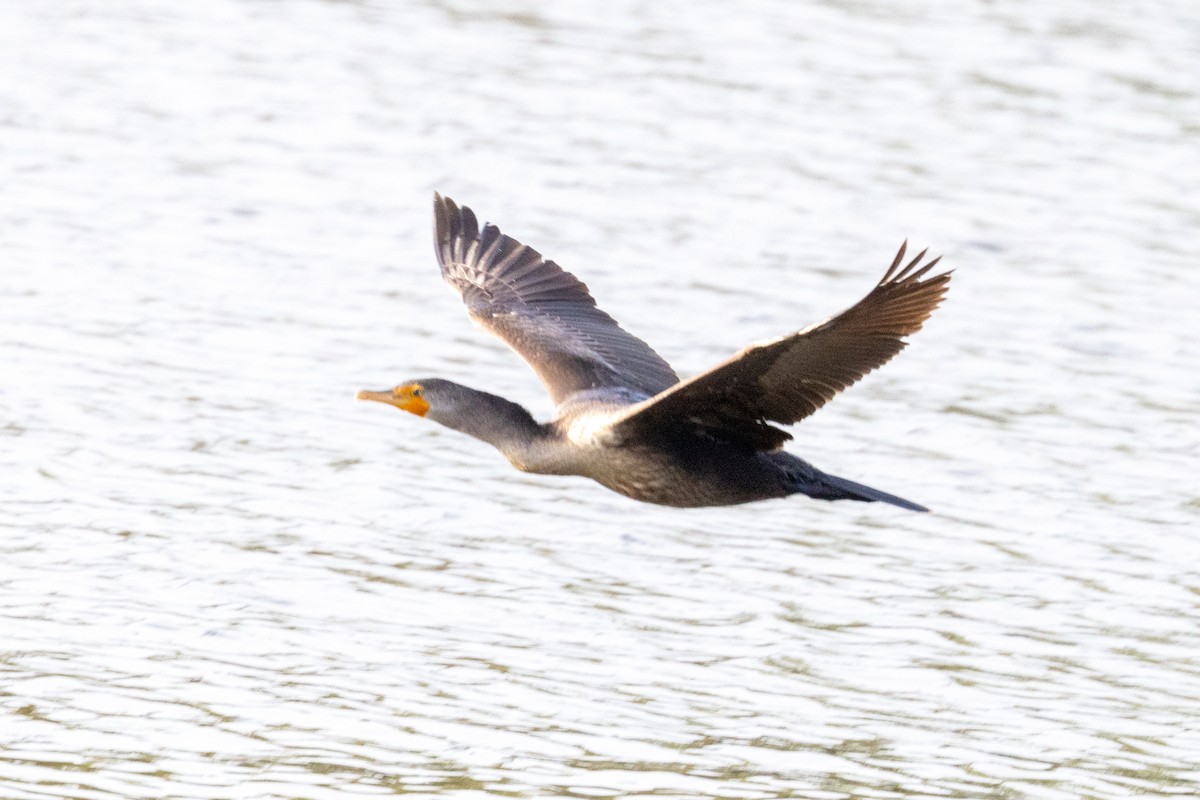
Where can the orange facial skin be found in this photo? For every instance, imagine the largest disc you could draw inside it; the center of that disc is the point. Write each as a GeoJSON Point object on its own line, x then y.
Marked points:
{"type": "Point", "coordinates": [408, 397]}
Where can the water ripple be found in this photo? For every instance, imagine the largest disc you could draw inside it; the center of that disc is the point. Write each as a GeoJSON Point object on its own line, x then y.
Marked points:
{"type": "Point", "coordinates": [223, 579]}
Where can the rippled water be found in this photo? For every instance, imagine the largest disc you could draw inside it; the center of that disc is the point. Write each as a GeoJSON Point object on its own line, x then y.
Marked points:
{"type": "Point", "coordinates": [221, 578]}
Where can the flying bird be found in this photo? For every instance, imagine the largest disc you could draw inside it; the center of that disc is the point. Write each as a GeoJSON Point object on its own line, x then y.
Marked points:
{"type": "Point", "coordinates": [623, 417]}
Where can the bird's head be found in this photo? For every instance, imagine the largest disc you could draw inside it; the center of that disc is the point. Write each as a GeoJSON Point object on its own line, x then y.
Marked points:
{"type": "Point", "coordinates": [413, 397]}
{"type": "Point", "coordinates": [442, 401]}
{"type": "Point", "coordinates": [484, 416]}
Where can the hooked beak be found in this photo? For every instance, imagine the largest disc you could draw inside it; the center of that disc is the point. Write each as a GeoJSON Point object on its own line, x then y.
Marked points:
{"type": "Point", "coordinates": [404, 400]}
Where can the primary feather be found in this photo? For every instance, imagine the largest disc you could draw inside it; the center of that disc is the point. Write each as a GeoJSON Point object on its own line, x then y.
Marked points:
{"type": "Point", "coordinates": [541, 311]}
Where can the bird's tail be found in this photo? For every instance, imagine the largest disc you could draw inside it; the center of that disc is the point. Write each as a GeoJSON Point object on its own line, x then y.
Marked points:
{"type": "Point", "coordinates": [831, 487]}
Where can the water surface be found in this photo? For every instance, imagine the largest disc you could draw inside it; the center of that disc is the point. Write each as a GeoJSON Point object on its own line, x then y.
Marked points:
{"type": "Point", "coordinates": [221, 578]}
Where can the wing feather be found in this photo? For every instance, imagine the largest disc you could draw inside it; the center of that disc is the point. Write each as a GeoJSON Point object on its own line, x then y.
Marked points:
{"type": "Point", "coordinates": [541, 311]}
{"type": "Point", "coordinates": [786, 380]}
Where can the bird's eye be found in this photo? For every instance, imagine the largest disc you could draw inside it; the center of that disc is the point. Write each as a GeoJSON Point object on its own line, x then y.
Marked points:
{"type": "Point", "coordinates": [418, 391]}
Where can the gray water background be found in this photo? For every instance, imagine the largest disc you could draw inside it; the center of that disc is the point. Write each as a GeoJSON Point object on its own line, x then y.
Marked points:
{"type": "Point", "coordinates": [221, 578]}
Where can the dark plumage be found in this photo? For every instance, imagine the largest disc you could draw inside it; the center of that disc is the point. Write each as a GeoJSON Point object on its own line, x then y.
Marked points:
{"type": "Point", "coordinates": [623, 417]}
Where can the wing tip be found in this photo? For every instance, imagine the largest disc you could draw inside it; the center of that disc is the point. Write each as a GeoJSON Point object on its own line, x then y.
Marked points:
{"type": "Point", "coordinates": [455, 227]}
{"type": "Point", "coordinates": [887, 276]}
{"type": "Point", "coordinates": [914, 270]}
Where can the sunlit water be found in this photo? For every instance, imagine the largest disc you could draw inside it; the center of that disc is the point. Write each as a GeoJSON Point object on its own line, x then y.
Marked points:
{"type": "Point", "coordinates": [221, 578]}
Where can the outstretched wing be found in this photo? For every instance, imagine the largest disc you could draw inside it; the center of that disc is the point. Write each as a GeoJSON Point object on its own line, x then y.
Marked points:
{"type": "Point", "coordinates": [787, 379]}
{"type": "Point", "coordinates": [541, 311]}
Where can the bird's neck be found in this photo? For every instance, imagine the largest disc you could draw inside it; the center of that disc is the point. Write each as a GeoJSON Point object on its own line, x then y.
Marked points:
{"type": "Point", "coordinates": [501, 423]}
